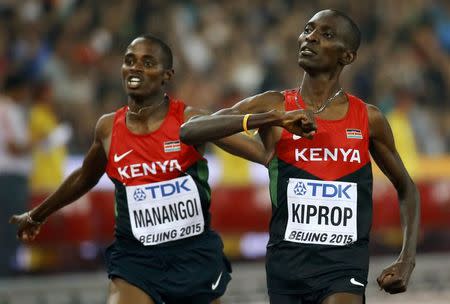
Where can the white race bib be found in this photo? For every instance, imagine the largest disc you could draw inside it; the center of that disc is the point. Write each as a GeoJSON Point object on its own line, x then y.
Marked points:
{"type": "Point", "coordinates": [321, 212]}
{"type": "Point", "coordinates": [165, 211]}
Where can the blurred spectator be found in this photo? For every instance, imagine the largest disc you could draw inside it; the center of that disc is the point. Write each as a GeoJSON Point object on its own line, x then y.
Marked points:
{"type": "Point", "coordinates": [15, 164]}
{"type": "Point", "coordinates": [48, 158]}
{"type": "Point", "coordinates": [404, 132]}
{"type": "Point", "coordinates": [235, 171]}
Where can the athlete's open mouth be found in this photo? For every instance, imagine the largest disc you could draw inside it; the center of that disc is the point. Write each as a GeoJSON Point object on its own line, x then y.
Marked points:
{"type": "Point", "coordinates": [134, 81]}
{"type": "Point", "coordinates": [306, 51]}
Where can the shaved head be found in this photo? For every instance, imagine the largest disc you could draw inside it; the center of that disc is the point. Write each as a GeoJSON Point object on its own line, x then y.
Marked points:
{"type": "Point", "coordinates": [166, 51]}
{"type": "Point", "coordinates": [352, 33]}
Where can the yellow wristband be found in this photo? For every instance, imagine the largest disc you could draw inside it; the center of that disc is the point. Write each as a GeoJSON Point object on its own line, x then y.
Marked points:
{"type": "Point", "coordinates": [244, 126]}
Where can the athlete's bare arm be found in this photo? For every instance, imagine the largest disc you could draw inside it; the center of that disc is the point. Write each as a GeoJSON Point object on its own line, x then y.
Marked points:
{"type": "Point", "coordinates": [73, 187]}
{"type": "Point", "coordinates": [250, 148]}
{"type": "Point", "coordinates": [394, 279]}
{"type": "Point", "coordinates": [268, 113]}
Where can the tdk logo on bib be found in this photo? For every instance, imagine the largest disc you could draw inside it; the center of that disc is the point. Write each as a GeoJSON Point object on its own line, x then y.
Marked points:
{"type": "Point", "coordinates": [300, 188]}
{"type": "Point", "coordinates": [168, 189]}
{"type": "Point", "coordinates": [325, 189]}
{"type": "Point", "coordinates": [139, 195]}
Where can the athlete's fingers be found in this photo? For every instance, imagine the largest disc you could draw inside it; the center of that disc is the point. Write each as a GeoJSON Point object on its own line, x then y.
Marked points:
{"type": "Point", "coordinates": [307, 116]}
{"type": "Point", "coordinates": [309, 135]}
{"type": "Point", "coordinates": [308, 129]}
{"type": "Point", "coordinates": [24, 236]}
{"type": "Point", "coordinates": [392, 281]}
{"type": "Point", "coordinates": [393, 274]}
{"type": "Point", "coordinates": [20, 233]}
{"type": "Point", "coordinates": [305, 119]}
{"type": "Point", "coordinates": [396, 287]}
{"type": "Point", "coordinates": [27, 234]}
{"type": "Point", "coordinates": [35, 232]}
{"type": "Point", "coordinates": [382, 277]}
{"type": "Point", "coordinates": [391, 270]}
{"type": "Point", "coordinates": [307, 122]}
{"type": "Point", "coordinates": [30, 236]}
{"type": "Point", "coordinates": [14, 219]}
{"type": "Point", "coordinates": [397, 290]}
{"type": "Point", "coordinates": [393, 284]}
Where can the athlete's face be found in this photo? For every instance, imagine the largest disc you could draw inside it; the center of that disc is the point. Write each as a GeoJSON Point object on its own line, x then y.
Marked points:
{"type": "Point", "coordinates": [143, 71]}
{"type": "Point", "coordinates": [321, 44]}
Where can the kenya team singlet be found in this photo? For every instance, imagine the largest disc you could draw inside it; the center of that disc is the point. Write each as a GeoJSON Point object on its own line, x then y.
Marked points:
{"type": "Point", "coordinates": [162, 195]}
{"type": "Point", "coordinates": [321, 192]}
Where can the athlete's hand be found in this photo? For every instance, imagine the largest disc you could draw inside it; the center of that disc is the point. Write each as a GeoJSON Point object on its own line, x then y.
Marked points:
{"type": "Point", "coordinates": [300, 122]}
{"type": "Point", "coordinates": [394, 278]}
{"type": "Point", "coordinates": [26, 230]}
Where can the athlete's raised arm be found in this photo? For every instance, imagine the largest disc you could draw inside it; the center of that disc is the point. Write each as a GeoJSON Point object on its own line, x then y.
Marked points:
{"type": "Point", "coordinates": [73, 187]}
{"type": "Point", "coordinates": [266, 110]}
{"type": "Point", "coordinates": [394, 278]}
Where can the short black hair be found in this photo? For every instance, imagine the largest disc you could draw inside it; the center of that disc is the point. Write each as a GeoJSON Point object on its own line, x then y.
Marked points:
{"type": "Point", "coordinates": [166, 51]}
{"type": "Point", "coordinates": [354, 37]}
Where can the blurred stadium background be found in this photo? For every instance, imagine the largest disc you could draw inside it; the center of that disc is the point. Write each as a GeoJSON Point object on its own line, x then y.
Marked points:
{"type": "Point", "coordinates": [64, 58]}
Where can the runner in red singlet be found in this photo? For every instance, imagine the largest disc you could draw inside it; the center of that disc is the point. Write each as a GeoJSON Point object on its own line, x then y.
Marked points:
{"type": "Point", "coordinates": [164, 250]}
{"type": "Point", "coordinates": [320, 174]}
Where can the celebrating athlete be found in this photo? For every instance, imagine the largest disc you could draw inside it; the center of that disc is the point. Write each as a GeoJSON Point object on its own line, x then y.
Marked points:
{"type": "Point", "coordinates": [320, 174]}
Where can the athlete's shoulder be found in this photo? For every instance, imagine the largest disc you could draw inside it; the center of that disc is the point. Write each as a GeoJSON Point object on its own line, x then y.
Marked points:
{"type": "Point", "coordinates": [190, 112]}
{"type": "Point", "coordinates": [104, 125]}
{"type": "Point", "coordinates": [270, 96]}
{"type": "Point", "coordinates": [263, 102]}
{"type": "Point", "coordinates": [373, 112]}
{"type": "Point", "coordinates": [377, 120]}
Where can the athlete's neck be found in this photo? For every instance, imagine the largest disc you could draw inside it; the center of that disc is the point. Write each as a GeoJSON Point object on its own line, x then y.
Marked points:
{"type": "Point", "coordinates": [150, 106]}
{"type": "Point", "coordinates": [315, 90]}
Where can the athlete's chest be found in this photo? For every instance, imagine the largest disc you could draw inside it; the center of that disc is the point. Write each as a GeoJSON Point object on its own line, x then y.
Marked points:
{"type": "Point", "coordinates": [337, 149]}
{"type": "Point", "coordinates": [148, 156]}
{"type": "Point", "coordinates": [137, 159]}
{"type": "Point", "coordinates": [340, 141]}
